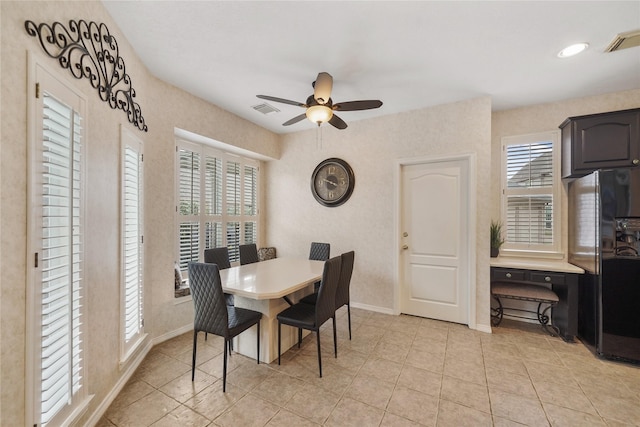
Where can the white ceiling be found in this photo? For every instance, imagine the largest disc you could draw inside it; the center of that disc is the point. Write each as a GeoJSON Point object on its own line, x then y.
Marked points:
{"type": "Point", "coordinates": [410, 55]}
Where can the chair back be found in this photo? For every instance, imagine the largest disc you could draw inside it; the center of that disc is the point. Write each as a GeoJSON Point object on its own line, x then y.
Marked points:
{"type": "Point", "coordinates": [210, 306]}
{"type": "Point", "coordinates": [248, 254]}
{"type": "Point", "coordinates": [342, 293]}
{"type": "Point", "coordinates": [218, 256]}
{"type": "Point", "coordinates": [326, 302]}
{"type": "Point", "coordinates": [319, 251]}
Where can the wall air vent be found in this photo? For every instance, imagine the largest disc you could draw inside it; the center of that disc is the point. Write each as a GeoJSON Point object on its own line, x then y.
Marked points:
{"type": "Point", "coordinates": [624, 41]}
{"type": "Point", "coordinates": [265, 108]}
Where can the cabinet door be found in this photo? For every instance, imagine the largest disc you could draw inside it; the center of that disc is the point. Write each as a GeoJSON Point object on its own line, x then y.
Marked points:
{"type": "Point", "coordinates": [607, 141]}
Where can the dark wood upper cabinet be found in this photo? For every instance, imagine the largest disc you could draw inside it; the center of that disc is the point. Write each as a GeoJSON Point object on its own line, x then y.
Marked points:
{"type": "Point", "coordinates": [600, 141]}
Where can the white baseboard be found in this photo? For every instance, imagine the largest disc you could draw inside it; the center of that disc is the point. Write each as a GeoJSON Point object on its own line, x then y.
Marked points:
{"type": "Point", "coordinates": [372, 308]}
{"type": "Point", "coordinates": [483, 328]}
{"type": "Point", "coordinates": [172, 334]}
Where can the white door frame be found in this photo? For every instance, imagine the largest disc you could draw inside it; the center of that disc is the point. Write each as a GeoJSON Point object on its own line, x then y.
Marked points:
{"type": "Point", "coordinates": [470, 159]}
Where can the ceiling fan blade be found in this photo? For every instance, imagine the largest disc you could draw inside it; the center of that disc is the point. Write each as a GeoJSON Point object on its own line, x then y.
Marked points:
{"type": "Point", "coordinates": [282, 100]}
{"type": "Point", "coordinates": [296, 119]}
{"type": "Point", "coordinates": [337, 122]}
{"type": "Point", "coordinates": [322, 88]}
{"type": "Point", "coordinates": [357, 105]}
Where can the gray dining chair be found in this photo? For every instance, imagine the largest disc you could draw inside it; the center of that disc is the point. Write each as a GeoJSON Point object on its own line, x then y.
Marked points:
{"type": "Point", "coordinates": [248, 254]}
{"type": "Point", "coordinates": [342, 293]}
{"type": "Point", "coordinates": [212, 314]}
{"type": "Point", "coordinates": [319, 252]}
{"type": "Point", "coordinates": [220, 257]}
{"type": "Point", "coordinates": [312, 317]}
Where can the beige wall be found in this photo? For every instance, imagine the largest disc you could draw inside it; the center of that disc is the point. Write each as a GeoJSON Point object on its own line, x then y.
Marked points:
{"type": "Point", "coordinates": [546, 117]}
{"type": "Point", "coordinates": [163, 107]}
{"type": "Point", "coordinates": [366, 223]}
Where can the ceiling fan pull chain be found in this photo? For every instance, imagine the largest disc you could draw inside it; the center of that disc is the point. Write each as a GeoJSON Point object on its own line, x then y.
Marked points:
{"type": "Point", "coordinates": [319, 138]}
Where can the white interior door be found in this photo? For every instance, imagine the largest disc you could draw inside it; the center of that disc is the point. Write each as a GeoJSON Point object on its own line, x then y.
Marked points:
{"type": "Point", "coordinates": [434, 259]}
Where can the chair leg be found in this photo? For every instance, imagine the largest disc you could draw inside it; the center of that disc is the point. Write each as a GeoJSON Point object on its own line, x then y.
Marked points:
{"type": "Point", "coordinates": [349, 316]}
{"type": "Point", "coordinates": [335, 339]}
{"type": "Point", "coordinates": [224, 372]}
{"type": "Point", "coordinates": [279, 327]}
{"type": "Point", "coordinates": [299, 337]}
{"type": "Point", "coordinates": [319, 353]}
{"type": "Point", "coordinates": [193, 361]}
{"type": "Point", "coordinates": [258, 343]}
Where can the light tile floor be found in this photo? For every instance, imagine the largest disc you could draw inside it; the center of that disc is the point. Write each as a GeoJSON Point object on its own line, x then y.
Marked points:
{"type": "Point", "coordinates": [397, 371]}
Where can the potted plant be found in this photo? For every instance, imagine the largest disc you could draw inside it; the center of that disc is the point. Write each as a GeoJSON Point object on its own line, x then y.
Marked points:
{"type": "Point", "coordinates": [496, 238]}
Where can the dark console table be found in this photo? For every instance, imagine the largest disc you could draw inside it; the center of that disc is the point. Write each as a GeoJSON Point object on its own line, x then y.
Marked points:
{"type": "Point", "coordinates": [563, 279]}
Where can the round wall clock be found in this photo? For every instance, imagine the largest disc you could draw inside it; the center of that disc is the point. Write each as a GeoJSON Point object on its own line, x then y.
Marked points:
{"type": "Point", "coordinates": [332, 182]}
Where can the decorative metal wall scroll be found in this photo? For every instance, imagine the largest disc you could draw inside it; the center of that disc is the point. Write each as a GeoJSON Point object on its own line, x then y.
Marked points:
{"type": "Point", "coordinates": [88, 50]}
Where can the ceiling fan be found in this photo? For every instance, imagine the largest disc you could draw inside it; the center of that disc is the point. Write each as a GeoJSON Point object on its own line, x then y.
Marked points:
{"type": "Point", "coordinates": [320, 106]}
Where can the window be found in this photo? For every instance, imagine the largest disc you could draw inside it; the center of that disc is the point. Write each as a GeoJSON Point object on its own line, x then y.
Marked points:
{"type": "Point", "coordinates": [216, 201]}
{"type": "Point", "coordinates": [132, 309]}
{"type": "Point", "coordinates": [530, 193]}
{"type": "Point", "coordinates": [56, 385]}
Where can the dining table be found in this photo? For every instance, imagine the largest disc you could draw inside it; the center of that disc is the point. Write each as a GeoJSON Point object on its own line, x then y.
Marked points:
{"type": "Point", "coordinates": [269, 287]}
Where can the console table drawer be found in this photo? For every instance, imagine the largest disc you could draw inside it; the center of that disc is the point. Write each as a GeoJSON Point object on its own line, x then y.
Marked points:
{"type": "Point", "coordinates": [507, 275]}
{"type": "Point", "coordinates": [544, 277]}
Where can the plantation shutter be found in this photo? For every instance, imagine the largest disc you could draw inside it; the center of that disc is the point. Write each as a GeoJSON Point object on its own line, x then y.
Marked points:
{"type": "Point", "coordinates": [132, 237]}
{"type": "Point", "coordinates": [529, 194]}
{"type": "Point", "coordinates": [60, 259]}
{"type": "Point", "coordinates": [233, 186]}
{"type": "Point", "coordinates": [189, 206]}
{"type": "Point", "coordinates": [250, 197]}
{"type": "Point", "coordinates": [213, 202]}
{"type": "Point", "coordinates": [217, 201]}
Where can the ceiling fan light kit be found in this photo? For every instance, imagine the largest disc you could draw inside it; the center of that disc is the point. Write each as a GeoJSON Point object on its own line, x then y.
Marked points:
{"type": "Point", "coordinates": [320, 107]}
{"type": "Point", "coordinates": [319, 114]}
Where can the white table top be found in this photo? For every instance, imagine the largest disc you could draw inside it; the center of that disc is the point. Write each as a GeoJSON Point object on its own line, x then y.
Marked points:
{"type": "Point", "coordinates": [271, 279]}
{"type": "Point", "coordinates": [535, 264]}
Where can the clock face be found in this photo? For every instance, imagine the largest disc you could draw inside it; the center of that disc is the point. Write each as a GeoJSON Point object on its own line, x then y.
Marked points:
{"type": "Point", "coordinates": [332, 182]}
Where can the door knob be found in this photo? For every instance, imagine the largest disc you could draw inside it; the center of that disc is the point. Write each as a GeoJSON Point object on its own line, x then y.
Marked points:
{"type": "Point", "coordinates": [635, 161]}
{"type": "Point", "coordinates": [405, 247]}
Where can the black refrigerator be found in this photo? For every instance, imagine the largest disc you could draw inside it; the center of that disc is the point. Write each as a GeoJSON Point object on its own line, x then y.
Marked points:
{"type": "Point", "coordinates": [604, 239]}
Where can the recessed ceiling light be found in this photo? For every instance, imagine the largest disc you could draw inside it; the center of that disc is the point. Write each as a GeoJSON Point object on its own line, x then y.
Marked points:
{"type": "Point", "coordinates": [574, 49]}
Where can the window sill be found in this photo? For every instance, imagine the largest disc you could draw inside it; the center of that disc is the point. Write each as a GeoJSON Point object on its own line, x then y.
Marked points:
{"type": "Point", "coordinates": [133, 350]}
{"type": "Point", "coordinates": [78, 411]}
{"type": "Point", "coordinates": [518, 253]}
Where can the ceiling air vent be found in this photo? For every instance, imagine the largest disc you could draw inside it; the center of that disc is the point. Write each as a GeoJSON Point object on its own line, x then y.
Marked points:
{"type": "Point", "coordinates": [265, 108]}
{"type": "Point", "coordinates": [624, 41]}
